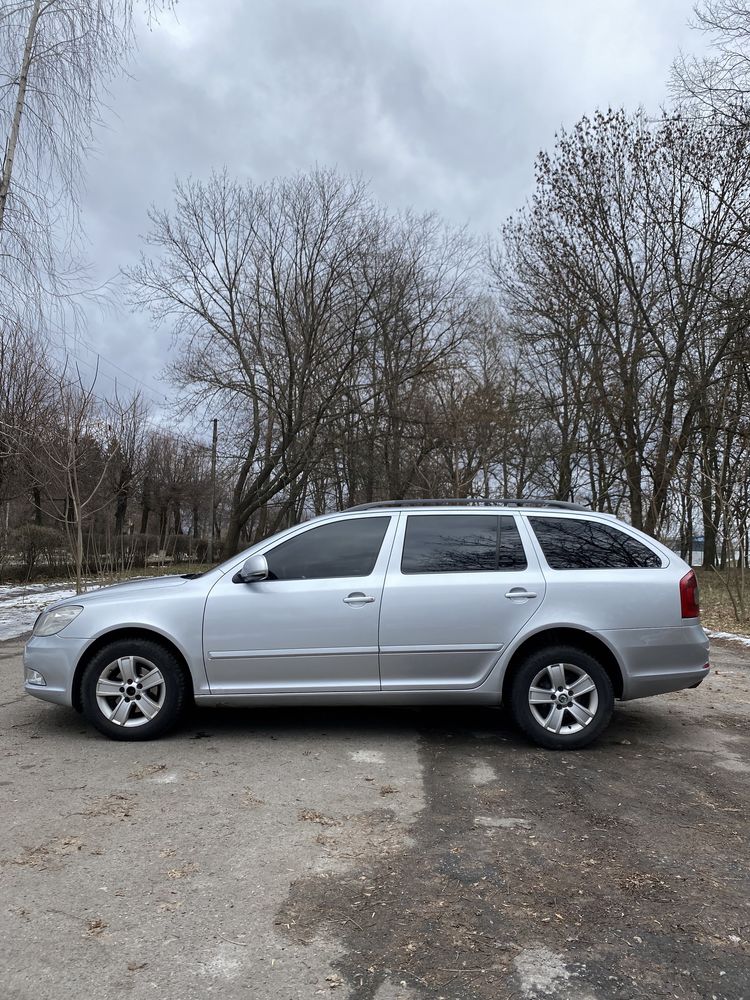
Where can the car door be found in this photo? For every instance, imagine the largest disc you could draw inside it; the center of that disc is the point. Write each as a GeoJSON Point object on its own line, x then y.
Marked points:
{"type": "Point", "coordinates": [313, 624]}
{"type": "Point", "coordinates": [459, 587]}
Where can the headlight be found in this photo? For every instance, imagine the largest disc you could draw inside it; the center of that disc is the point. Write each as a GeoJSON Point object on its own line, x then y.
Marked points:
{"type": "Point", "coordinates": [54, 621]}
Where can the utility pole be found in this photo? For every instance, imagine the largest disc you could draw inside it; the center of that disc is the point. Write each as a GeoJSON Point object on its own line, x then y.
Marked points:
{"type": "Point", "coordinates": [211, 537]}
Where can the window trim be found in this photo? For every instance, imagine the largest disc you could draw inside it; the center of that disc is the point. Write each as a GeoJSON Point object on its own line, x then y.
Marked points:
{"type": "Point", "coordinates": [624, 529]}
{"type": "Point", "coordinates": [508, 516]}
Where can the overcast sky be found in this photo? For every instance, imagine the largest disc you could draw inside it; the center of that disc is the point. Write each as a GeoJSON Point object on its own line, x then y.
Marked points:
{"type": "Point", "coordinates": [440, 104]}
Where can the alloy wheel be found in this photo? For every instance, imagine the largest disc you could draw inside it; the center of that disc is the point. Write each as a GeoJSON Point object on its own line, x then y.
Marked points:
{"type": "Point", "coordinates": [563, 698]}
{"type": "Point", "coordinates": [130, 691]}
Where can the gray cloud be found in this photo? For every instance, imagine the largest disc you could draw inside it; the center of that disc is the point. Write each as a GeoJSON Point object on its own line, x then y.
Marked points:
{"type": "Point", "coordinates": [441, 104]}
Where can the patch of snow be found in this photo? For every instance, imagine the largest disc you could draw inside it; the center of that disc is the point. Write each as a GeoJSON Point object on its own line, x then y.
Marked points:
{"type": "Point", "coordinates": [13, 589]}
{"type": "Point", "coordinates": [20, 605]}
{"type": "Point", "coordinates": [728, 636]}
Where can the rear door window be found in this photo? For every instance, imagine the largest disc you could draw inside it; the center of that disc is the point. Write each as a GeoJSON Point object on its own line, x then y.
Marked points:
{"type": "Point", "coordinates": [461, 543]}
{"type": "Point", "coordinates": [574, 543]}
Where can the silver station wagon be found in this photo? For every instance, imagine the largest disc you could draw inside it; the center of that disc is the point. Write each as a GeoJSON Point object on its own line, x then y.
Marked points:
{"type": "Point", "coordinates": [547, 607]}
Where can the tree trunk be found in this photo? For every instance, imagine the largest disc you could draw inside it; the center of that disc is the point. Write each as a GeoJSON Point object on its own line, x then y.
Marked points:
{"type": "Point", "coordinates": [709, 529]}
{"type": "Point", "coordinates": [23, 79]}
{"type": "Point", "coordinates": [163, 525]}
{"type": "Point", "coordinates": [36, 495]}
{"type": "Point", "coordinates": [79, 553]}
{"type": "Point", "coordinates": [232, 537]}
{"type": "Point", "coordinates": [635, 490]}
{"type": "Point", "coordinates": [121, 509]}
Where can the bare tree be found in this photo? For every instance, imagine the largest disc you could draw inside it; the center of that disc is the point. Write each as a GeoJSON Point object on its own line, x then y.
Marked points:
{"type": "Point", "coordinates": [633, 255]}
{"type": "Point", "coordinates": [718, 83]}
{"type": "Point", "coordinates": [280, 323]}
{"type": "Point", "coordinates": [414, 280]}
{"type": "Point", "coordinates": [126, 434]}
{"type": "Point", "coordinates": [56, 59]}
{"type": "Point", "coordinates": [75, 454]}
{"type": "Point", "coordinates": [25, 399]}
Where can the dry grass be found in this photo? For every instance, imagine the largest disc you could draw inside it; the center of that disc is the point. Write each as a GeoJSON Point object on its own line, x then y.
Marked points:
{"type": "Point", "coordinates": [313, 816]}
{"type": "Point", "coordinates": [717, 612]}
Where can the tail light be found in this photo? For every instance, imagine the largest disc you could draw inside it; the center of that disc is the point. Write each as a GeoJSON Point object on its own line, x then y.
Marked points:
{"type": "Point", "coordinates": [689, 596]}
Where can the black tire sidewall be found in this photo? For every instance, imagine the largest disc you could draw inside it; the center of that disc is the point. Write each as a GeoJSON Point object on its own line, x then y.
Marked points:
{"type": "Point", "coordinates": [174, 679]}
{"type": "Point", "coordinates": [519, 702]}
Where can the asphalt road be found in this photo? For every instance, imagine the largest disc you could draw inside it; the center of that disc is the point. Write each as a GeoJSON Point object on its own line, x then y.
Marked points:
{"type": "Point", "coordinates": [390, 855]}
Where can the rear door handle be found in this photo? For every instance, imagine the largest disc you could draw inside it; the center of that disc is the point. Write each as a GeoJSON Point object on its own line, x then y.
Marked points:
{"type": "Point", "coordinates": [518, 592]}
{"type": "Point", "coordinates": [358, 598]}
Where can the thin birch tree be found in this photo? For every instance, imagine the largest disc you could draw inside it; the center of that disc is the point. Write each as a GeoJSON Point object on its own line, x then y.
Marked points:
{"type": "Point", "coordinates": [57, 58]}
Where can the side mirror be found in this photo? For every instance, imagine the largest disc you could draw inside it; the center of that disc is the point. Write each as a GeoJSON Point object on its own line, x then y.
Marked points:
{"type": "Point", "coordinates": [253, 569]}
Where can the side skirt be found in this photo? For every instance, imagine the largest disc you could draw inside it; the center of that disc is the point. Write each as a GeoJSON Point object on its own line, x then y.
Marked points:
{"type": "Point", "coordinates": [473, 697]}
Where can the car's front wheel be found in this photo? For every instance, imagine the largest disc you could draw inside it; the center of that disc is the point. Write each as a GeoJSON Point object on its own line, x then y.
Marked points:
{"type": "Point", "coordinates": [562, 697]}
{"type": "Point", "coordinates": [133, 689]}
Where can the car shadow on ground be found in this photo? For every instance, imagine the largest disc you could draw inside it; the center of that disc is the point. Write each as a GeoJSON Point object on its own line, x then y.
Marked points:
{"type": "Point", "coordinates": [645, 722]}
{"type": "Point", "coordinates": [641, 721]}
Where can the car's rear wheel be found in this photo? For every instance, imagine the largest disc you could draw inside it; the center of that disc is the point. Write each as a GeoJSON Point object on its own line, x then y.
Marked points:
{"type": "Point", "coordinates": [562, 697]}
{"type": "Point", "coordinates": [133, 689]}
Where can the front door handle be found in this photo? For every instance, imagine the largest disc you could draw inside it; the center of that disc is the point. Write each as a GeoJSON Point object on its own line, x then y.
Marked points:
{"type": "Point", "coordinates": [358, 598]}
{"type": "Point", "coordinates": [518, 593]}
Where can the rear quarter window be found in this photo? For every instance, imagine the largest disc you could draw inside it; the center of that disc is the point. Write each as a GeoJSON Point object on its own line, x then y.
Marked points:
{"type": "Point", "coordinates": [574, 543]}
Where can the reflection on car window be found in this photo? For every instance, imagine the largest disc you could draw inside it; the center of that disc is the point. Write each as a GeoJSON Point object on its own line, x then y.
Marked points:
{"type": "Point", "coordinates": [572, 543]}
{"type": "Point", "coordinates": [340, 548]}
{"type": "Point", "coordinates": [461, 543]}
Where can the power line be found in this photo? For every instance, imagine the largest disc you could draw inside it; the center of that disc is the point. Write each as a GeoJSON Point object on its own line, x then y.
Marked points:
{"type": "Point", "coordinates": [95, 350]}
{"type": "Point", "coordinates": [158, 429]}
{"type": "Point", "coordinates": [159, 399]}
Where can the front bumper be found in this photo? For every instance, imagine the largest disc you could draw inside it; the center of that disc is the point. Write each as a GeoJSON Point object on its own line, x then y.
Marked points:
{"type": "Point", "coordinates": [658, 660]}
{"type": "Point", "coordinates": [55, 657]}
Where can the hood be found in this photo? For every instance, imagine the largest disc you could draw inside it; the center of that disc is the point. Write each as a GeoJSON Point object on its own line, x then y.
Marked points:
{"type": "Point", "coordinates": [120, 590]}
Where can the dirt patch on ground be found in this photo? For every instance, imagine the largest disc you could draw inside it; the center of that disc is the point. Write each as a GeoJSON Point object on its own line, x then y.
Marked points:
{"type": "Point", "coordinates": [611, 873]}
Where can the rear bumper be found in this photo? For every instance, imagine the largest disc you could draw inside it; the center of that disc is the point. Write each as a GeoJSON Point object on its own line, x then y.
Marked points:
{"type": "Point", "coordinates": [658, 660]}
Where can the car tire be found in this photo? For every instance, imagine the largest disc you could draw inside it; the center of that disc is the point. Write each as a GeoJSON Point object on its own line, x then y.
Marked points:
{"type": "Point", "coordinates": [134, 689]}
{"type": "Point", "coordinates": [562, 697]}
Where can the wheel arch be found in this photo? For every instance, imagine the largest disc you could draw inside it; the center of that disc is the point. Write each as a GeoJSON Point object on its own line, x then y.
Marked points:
{"type": "Point", "coordinates": [129, 632]}
{"type": "Point", "coordinates": [564, 635]}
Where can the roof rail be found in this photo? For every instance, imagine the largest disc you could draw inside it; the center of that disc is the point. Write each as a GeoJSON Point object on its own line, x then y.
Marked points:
{"type": "Point", "coordinates": [472, 502]}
